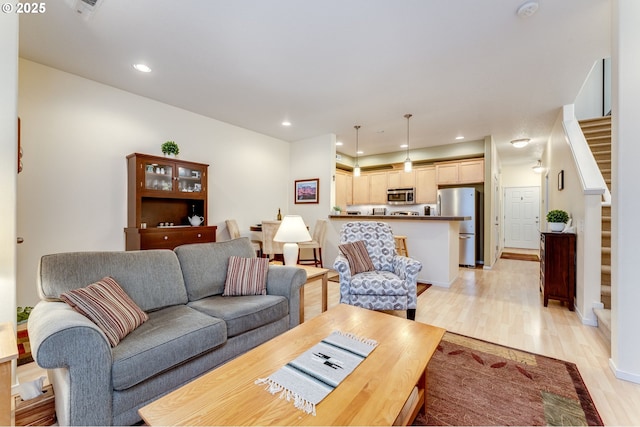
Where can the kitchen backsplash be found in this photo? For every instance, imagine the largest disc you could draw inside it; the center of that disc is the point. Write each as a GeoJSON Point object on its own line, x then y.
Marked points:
{"type": "Point", "coordinates": [389, 209]}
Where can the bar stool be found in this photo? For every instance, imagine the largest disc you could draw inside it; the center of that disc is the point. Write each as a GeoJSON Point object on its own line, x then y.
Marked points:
{"type": "Point", "coordinates": [401, 245]}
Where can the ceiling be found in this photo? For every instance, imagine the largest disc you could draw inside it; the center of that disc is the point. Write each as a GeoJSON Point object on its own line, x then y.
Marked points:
{"type": "Point", "coordinates": [462, 67]}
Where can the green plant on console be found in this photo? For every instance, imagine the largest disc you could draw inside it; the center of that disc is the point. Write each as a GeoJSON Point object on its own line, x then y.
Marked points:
{"type": "Point", "coordinates": [170, 147]}
{"type": "Point", "coordinates": [557, 215]}
{"type": "Point", "coordinates": [23, 313]}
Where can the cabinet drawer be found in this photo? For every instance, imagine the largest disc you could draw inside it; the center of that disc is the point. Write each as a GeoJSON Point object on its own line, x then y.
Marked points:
{"type": "Point", "coordinates": [169, 239]}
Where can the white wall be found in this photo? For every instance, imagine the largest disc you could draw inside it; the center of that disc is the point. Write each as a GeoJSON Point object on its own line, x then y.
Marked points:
{"type": "Point", "coordinates": [625, 316]}
{"type": "Point", "coordinates": [588, 103]}
{"type": "Point", "coordinates": [76, 134]}
{"type": "Point", "coordinates": [313, 158]}
{"type": "Point", "coordinates": [520, 176]}
{"type": "Point", "coordinates": [8, 164]}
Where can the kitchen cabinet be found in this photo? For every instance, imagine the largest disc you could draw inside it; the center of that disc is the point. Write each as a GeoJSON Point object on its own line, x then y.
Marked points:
{"type": "Point", "coordinates": [344, 188]}
{"type": "Point", "coordinates": [401, 179]}
{"type": "Point", "coordinates": [361, 189]}
{"type": "Point", "coordinates": [163, 191]}
{"type": "Point", "coordinates": [426, 187]}
{"type": "Point", "coordinates": [558, 267]}
{"type": "Point", "coordinates": [378, 188]}
{"type": "Point", "coordinates": [460, 172]}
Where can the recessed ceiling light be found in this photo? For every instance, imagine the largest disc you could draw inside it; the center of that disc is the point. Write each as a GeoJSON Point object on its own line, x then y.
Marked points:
{"type": "Point", "coordinates": [143, 68]}
{"type": "Point", "coordinates": [519, 143]}
{"type": "Point", "coordinates": [286, 123]}
{"type": "Point", "coordinates": [403, 146]}
{"type": "Point", "coordinates": [339, 143]}
{"type": "Point", "coordinates": [459, 137]}
{"type": "Point", "coordinates": [360, 152]}
{"type": "Point", "coordinates": [528, 8]}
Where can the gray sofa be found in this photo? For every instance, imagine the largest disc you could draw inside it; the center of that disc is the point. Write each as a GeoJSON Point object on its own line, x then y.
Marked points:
{"type": "Point", "coordinates": [191, 329]}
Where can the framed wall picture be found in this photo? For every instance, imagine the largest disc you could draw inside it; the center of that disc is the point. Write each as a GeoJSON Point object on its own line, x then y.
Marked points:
{"type": "Point", "coordinates": [561, 180]}
{"type": "Point", "coordinates": [307, 190]}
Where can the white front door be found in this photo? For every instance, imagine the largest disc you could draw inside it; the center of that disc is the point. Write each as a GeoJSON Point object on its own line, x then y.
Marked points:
{"type": "Point", "coordinates": [521, 217]}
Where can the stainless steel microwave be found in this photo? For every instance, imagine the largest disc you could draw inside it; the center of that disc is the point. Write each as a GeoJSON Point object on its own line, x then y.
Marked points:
{"type": "Point", "coordinates": [401, 196]}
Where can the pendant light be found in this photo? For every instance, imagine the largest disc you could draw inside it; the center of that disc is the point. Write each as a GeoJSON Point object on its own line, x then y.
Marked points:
{"type": "Point", "coordinates": [407, 163]}
{"type": "Point", "coordinates": [356, 168]}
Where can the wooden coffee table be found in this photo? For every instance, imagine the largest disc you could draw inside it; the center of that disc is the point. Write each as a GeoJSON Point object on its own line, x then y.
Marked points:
{"type": "Point", "coordinates": [373, 394]}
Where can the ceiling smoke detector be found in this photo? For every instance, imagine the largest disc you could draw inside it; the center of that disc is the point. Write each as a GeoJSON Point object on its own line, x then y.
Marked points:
{"type": "Point", "coordinates": [528, 8]}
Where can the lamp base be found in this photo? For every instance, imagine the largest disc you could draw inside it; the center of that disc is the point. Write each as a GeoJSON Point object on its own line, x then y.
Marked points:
{"type": "Point", "coordinates": [290, 253]}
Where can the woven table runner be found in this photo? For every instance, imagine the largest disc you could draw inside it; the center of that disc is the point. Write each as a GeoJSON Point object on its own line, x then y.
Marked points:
{"type": "Point", "coordinates": [314, 374]}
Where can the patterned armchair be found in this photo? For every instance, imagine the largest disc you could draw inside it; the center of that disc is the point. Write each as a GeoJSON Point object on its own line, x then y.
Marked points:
{"type": "Point", "coordinates": [393, 283]}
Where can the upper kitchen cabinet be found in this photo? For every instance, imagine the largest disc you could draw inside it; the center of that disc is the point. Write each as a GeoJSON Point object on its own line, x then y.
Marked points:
{"type": "Point", "coordinates": [344, 186]}
{"type": "Point", "coordinates": [426, 187]}
{"type": "Point", "coordinates": [401, 179]}
{"type": "Point", "coordinates": [361, 189]}
{"type": "Point", "coordinates": [469, 171]}
{"type": "Point", "coordinates": [377, 188]}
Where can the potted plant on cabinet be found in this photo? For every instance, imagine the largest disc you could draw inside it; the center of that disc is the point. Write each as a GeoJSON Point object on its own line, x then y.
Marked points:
{"type": "Point", "coordinates": [170, 147]}
{"type": "Point", "coordinates": [557, 218]}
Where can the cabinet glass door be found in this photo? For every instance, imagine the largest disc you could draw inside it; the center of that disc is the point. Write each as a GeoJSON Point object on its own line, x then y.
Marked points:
{"type": "Point", "coordinates": [158, 176]}
{"type": "Point", "coordinates": [190, 179]}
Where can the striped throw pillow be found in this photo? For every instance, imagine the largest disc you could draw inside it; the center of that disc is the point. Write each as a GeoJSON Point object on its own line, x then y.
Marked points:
{"type": "Point", "coordinates": [246, 276]}
{"type": "Point", "coordinates": [358, 257]}
{"type": "Point", "coordinates": [107, 305]}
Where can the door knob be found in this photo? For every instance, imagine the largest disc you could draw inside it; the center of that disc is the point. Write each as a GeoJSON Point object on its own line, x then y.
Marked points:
{"type": "Point", "coordinates": [20, 240]}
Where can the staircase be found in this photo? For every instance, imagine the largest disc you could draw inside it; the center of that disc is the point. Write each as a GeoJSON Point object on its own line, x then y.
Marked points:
{"type": "Point", "coordinates": [598, 135]}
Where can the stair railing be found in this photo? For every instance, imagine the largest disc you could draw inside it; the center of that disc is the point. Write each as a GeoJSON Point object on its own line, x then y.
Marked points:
{"type": "Point", "coordinates": [590, 176]}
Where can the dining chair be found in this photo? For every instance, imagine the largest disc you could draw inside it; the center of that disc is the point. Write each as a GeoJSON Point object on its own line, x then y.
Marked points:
{"type": "Point", "coordinates": [316, 243]}
{"type": "Point", "coordinates": [234, 233]}
{"type": "Point", "coordinates": [270, 248]}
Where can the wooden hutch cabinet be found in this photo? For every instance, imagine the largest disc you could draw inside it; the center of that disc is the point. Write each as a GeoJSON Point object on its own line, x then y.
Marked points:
{"type": "Point", "coordinates": [558, 267]}
{"type": "Point", "coordinates": [162, 194]}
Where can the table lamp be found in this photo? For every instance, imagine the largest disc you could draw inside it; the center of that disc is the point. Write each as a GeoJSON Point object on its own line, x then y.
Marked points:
{"type": "Point", "coordinates": [291, 231]}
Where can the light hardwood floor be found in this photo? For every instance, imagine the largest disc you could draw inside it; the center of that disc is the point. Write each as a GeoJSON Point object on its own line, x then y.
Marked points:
{"type": "Point", "coordinates": [503, 305]}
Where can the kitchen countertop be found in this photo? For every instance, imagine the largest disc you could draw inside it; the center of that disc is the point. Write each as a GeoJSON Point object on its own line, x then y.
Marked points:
{"type": "Point", "coordinates": [402, 217]}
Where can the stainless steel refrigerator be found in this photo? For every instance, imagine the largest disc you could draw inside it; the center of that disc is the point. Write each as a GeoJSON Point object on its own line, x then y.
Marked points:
{"type": "Point", "coordinates": [465, 201]}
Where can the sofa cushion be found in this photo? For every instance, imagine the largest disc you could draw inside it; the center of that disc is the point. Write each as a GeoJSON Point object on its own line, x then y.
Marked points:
{"type": "Point", "coordinates": [357, 256]}
{"type": "Point", "coordinates": [170, 337]}
{"type": "Point", "coordinates": [204, 265]}
{"type": "Point", "coordinates": [246, 276]}
{"type": "Point", "coordinates": [152, 279]}
{"type": "Point", "coordinates": [244, 313]}
{"type": "Point", "coordinates": [107, 305]}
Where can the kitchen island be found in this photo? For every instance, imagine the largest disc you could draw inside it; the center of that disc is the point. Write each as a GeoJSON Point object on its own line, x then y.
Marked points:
{"type": "Point", "coordinates": [432, 240]}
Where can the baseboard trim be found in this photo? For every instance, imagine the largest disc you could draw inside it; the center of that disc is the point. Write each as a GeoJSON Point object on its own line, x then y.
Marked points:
{"type": "Point", "coordinates": [626, 376]}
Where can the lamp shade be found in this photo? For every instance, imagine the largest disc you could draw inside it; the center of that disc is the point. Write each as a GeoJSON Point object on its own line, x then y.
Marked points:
{"type": "Point", "coordinates": [292, 230]}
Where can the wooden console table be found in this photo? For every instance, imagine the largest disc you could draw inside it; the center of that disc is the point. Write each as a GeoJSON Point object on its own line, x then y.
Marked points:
{"type": "Point", "coordinates": [8, 352]}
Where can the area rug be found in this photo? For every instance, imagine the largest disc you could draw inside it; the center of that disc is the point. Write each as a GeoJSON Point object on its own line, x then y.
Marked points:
{"type": "Point", "coordinates": [520, 257]}
{"type": "Point", "coordinates": [474, 382]}
{"type": "Point", "coordinates": [24, 347]}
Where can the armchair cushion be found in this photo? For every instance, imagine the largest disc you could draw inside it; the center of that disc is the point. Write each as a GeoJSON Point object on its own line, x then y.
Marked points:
{"type": "Point", "coordinates": [357, 256]}
{"type": "Point", "coordinates": [107, 305]}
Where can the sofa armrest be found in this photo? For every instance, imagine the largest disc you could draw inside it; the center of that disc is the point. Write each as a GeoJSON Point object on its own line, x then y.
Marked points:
{"type": "Point", "coordinates": [286, 281]}
{"type": "Point", "coordinates": [63, 339]}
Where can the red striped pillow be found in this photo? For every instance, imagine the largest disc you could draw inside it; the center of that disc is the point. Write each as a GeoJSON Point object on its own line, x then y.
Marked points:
{"type": "Point", "coordinates": [358, 257]}
{"type": "Point", "coordinates": [107, 305]}
{"type": "Point", "coordinates": [246, 276]}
